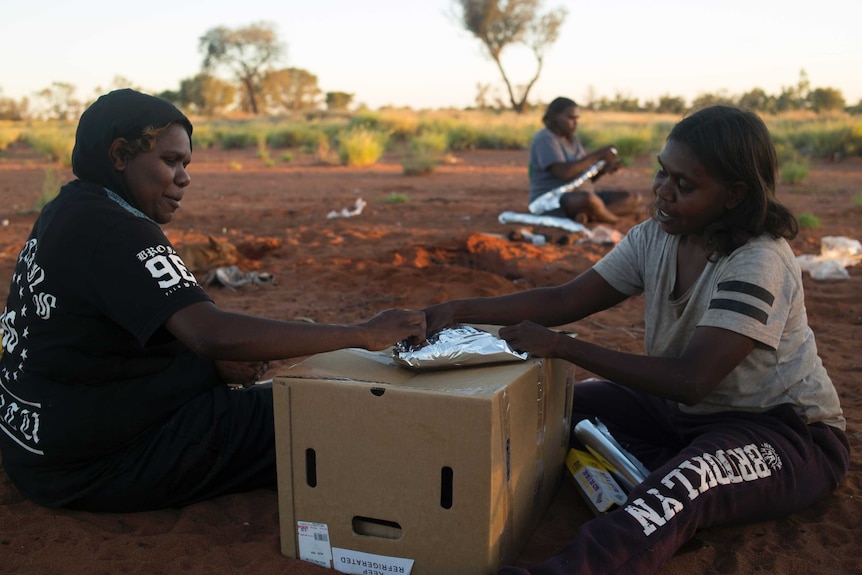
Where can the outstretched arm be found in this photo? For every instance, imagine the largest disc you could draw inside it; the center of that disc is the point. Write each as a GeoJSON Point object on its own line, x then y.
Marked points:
{"type": "Point", "coordinates": [710, 355]}
{"type": "Point", "coordinates": [221, 335]}
{"type": "Point", "coordinates": [585, 295]}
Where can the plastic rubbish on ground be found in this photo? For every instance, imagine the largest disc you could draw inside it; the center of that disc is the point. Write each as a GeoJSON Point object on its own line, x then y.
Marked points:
{"type": "Point", "coordinates": [457, 347]}
{"type": "Point", "coordinates": [602, 235]}
{"type": "Point", "coordinates": [550, 200]}
{"type": "Point", "coordinates": [358, 206]}
{"type": "Point", "coordinates": [535, 239]}
{"type": "Point", "coordinates": [232, 277]}
{"type": "Point", "coordinates": [837, 253]}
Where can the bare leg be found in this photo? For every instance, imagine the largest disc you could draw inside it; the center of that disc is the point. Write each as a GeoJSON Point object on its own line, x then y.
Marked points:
{"type": "Point", "coordinates": [620, 202]}
{"type": "Point", "coordinates": [582, 205]}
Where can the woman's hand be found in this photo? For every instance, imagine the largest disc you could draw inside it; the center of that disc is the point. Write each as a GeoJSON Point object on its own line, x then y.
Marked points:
{"type": "Point", "coordinates": [532, 338]}
{"type": "Point", "coordinates": [438, 317]}
{"type": "Point", "coordinates": [391, 326]}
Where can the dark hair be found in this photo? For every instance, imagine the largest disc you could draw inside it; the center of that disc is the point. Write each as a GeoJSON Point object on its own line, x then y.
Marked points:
{"type": "Point", "coordinates": [556, 106]}
{"type": "Point", "coordinates": [147, 141]}
{"type": "Point", "coordinates": [734, 145]}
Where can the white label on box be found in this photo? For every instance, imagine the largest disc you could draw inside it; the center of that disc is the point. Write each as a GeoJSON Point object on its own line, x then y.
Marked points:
{"type": "Point", "coordinates": [359, 563]}
{"type": "Point", "coordinates": [313, 539]}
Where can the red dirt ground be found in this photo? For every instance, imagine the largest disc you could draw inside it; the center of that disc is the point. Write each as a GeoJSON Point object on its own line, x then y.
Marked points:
{"type": "Point", "coordinates": [443, 242]}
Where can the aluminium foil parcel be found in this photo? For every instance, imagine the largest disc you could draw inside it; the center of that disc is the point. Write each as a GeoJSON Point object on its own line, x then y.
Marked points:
{"type": "Point", "coordinates": [383, 469]}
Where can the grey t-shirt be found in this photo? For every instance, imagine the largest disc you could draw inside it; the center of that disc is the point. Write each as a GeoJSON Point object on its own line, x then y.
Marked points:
{"type": "Point", "coordinates": [549, 148]}
{"type": "Point", "coordinates": [755, 291]}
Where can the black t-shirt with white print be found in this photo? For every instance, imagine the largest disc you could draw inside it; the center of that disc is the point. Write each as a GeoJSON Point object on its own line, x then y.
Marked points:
{"type": "Point", "coordinates": [87, 365]}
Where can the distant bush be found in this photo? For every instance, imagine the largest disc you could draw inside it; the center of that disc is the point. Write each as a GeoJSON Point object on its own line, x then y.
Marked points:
{"type": "Point", "coordinates": [51, 183]}
{"type": "Point", "coordinates": [820, 137]}
{"type": "Point", "coordinates": [794, 172]}
{"type": "Point", "coordinates": [294, 136]}
{"type": "Point", "coordinates": [54, 144]}
{"type": "Point", "coordinates": [400, 125]}
{"type": "Point", "coordinates": [203, 137]}
{"type": "Point", "coordinates": [394, 198]}
{"type": "Point", "coordinates": [236, 140]}
{"type": "Point", "coordinates": [808, 221]}
{"type": "Point", "coordinates": [425, 153]}
{"type": "Point", "coordinates": [8, 136]}
{"type": "Point", "coordinates": [362, 147]}
{"type": "Point", "coordinates": [324, 152]}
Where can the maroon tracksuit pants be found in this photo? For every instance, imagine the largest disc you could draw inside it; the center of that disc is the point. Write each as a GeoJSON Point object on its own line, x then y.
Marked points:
{"type": "Point", "coordinates": [721, 469]}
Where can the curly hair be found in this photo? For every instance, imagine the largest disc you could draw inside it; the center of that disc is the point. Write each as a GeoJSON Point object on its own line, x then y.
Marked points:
{"type": "Point", "coordinates": [146, 142]}
{"type": "Point", "coordinates": [734, 145]}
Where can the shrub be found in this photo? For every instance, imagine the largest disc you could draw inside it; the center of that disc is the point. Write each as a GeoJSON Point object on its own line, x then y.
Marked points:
{"type": "Point", "coordinates": [8, 136]}
{"type": "Point", "coordinates": [51, 183]}
{"type": "Point", "coordinates": [286, 157]}
{"type": "Point", "coordinates": [630, 146]}
{"type": "Point", "coordinates": [395, 198]}
{"type": "Point", "coordinates": [808, 221]}
{"type": "Point", "coordinates": [204, 136]}
{"type": "Point", "coordinates": [236, 139]}
{"type": "Point", "coordinates": [54, 144]}
{"type": "Point", "coordinates": [425, 153]}
{"type": "Point", "coordinates": [292, 137]}
{"type": "Point", "coordinates": [324, 152]}
{"type": "Point", "coordinates": [362, 147]}
{"type": "Point", "coordinates": [794, 172]}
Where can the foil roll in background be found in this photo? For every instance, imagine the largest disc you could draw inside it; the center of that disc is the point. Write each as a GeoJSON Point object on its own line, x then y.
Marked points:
{"type": "Point", "coordinates": [457, 347]}
{"type": "Point", "coordinates": [550, 200]}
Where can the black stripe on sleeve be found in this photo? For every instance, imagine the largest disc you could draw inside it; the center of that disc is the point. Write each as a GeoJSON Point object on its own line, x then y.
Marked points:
{"type": "Point", "coordinates": [740, 307]}
{"type": "Point", "coordinates": [749, 289]}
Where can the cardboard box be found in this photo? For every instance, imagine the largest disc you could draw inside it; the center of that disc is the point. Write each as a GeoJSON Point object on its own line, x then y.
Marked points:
{"type": "Point", "coordinates": [382, 469]}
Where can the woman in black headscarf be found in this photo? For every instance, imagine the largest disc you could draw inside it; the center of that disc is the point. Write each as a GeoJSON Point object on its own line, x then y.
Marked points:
{"type": "Point", "coordinates": [110, 398]}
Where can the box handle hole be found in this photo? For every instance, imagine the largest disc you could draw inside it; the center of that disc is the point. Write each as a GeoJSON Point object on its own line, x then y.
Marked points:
{"type": "Point", "coordinates": [446, 477]}
{"type": "Point", "coordinates": [311, 467]}
{"type": "Point", "coordinates": [371, 527]}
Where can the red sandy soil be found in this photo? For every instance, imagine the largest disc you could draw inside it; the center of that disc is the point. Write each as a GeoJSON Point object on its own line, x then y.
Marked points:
{"type": "Point", "coordinates": [443, 242]}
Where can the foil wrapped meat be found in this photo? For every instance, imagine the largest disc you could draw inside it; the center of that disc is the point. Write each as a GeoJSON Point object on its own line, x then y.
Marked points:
{"type": "Point", "coordinates": [457, 347]}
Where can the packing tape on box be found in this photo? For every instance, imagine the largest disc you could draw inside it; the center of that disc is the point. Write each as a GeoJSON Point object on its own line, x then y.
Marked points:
{"type": "Point", "coordinates": [507, 535]}
{"type": "Point", "coordinates": [541, 424]}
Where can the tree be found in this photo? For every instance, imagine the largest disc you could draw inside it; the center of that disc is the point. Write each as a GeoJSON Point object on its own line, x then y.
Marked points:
{"type": "Point", "coordinates": [206, 95]}
{"type": "Point", "coordinates": [719, 98]}
{"type": "Point", "coordinates": [60, 102]}
{"type": "Point", "coordinates": [290, 89]}
{"type": "Point", "coordinates": [756, 100]}
{"type": "Point", "coordinates": [338, 100]}
{"type": "Point", "coordinates": [499, 24]}
{"type": "Point", "coordinates": [826, 99]}
{"type": "Point", "coordinates": [247, 51]}
{"type": "Point", "coordinates": [668, 104]}
{"type": "Point", "coordinates": [13, 110]}
{"type": "Point", "coordinates": [794, 97]}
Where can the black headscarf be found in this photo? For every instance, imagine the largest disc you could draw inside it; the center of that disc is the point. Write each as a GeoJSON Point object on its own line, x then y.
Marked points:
{"type": "Point", "coordinates": [118, 114]}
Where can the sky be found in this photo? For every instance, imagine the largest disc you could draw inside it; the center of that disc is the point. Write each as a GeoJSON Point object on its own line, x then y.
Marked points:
{"type": "Point", "coordinates": [414, 53]}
